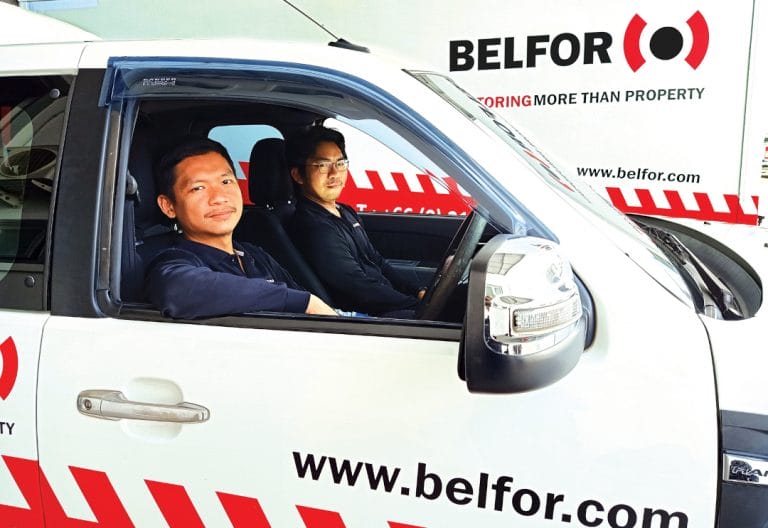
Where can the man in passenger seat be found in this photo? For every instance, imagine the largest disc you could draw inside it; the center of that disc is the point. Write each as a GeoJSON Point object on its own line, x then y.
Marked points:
{"type": "Point", "coordinates": [206, 273]}
{"type": "Point", "coordinates": [331, 235]}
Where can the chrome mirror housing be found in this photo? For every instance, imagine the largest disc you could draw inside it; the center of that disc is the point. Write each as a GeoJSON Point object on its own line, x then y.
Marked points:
{"type": "Point", "coordinates": [525, 322]}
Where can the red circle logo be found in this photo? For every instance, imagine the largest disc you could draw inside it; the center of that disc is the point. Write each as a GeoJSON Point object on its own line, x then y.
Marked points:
{"type": "Point", "coordinates": [666, 42]}
{"type": "Point", "coordinates": [10, 367]}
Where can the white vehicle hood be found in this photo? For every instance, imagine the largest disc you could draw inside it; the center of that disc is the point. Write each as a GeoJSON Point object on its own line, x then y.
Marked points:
{"type": "Point", "coordinates": [740, 348]}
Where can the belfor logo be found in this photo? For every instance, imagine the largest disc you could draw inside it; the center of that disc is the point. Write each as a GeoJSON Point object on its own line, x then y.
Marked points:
{"type": "Point", "coordinates": [573, 48]}
{"type": "Point", "coordinates": [9, 367]}
{"type": "Point", "coordinates": [666, 42]}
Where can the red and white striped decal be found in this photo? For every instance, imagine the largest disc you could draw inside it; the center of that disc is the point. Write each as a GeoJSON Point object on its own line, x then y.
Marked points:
{"type": "Point", "coordinates": [397, 192]}
{"type": "Point", "coordinates": [172, 500]}
{"type": "Point", "coordinates": [727, 208]}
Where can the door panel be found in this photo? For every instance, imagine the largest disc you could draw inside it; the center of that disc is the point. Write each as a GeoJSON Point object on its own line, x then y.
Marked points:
{"type": "Point", "coordinates": [307, 423]}
{"type": "Point", "coordinates": [420, 238]}
{"type": "Point", "coordinates": [19, 351]}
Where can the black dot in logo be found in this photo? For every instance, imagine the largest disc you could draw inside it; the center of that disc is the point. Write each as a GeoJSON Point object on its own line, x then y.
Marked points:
{"type": "Point", "coordinates": [666, 43]}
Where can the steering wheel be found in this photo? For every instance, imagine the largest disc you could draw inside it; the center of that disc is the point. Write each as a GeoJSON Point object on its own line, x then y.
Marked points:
{"type": "Point", "coordinates": [452, 267]}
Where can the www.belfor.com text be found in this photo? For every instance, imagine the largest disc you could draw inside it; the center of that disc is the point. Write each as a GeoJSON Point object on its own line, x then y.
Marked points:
{"type": "Point", "coordinates": [639, 173]}
{"type": "Point", "coordinates": [484, 492]}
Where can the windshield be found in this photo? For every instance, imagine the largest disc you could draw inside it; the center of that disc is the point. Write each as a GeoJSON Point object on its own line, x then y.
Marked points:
{"type": "Point", "coordinates": [616, 225]}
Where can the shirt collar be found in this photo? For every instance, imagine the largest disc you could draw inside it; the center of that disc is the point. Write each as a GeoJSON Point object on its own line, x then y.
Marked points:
{"type": "Point", "coordinates": [208, 252]}
{"type": "Point", "coordinates": [316, 207]}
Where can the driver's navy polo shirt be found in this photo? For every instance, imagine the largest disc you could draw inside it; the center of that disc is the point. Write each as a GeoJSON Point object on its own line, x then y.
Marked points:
{"type": "Point", "coordinates": [357, 276]}
{"type": "Point", "coordinates": [191, 280]}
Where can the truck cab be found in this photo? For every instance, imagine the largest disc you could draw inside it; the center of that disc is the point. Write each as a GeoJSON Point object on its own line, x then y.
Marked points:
{"type": "Point", "coordinates": [567, 368]}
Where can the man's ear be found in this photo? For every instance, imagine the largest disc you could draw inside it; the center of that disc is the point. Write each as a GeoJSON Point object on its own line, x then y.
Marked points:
{"type": "Point", "coordinates": [296, 175]}
{"type": "Point", "coordinates": [166, 206]}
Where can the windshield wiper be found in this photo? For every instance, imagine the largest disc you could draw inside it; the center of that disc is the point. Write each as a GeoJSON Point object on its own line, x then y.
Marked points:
{"type": "Point", "coordinates": [715, 298]}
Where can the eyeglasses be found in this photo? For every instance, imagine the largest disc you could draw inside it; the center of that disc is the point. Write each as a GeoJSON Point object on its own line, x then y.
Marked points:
{"type": "Point", "coordinates": [324, 167]}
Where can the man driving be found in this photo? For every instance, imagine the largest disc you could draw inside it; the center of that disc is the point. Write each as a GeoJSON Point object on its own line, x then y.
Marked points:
{"type": "Point", "coordinates": [331, 235]}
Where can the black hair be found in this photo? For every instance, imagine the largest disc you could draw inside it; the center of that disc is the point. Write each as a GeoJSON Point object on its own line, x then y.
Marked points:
{"type": "Point", "coordinates": [300, 145]}
{"type": "Point", "coordinates": [165, 173]}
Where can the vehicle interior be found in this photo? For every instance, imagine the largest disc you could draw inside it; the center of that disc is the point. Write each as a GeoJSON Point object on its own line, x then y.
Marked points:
{"type": "Point", "coordinates": [422, 244]}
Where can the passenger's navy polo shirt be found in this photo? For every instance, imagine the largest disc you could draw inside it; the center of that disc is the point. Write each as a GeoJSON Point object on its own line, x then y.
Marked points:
{"type": "Point", "coordinates": [191, 280]}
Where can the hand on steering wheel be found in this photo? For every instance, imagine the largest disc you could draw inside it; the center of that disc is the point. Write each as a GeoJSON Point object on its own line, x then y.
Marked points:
{"type": "Point", "coordinates": [454, 263]}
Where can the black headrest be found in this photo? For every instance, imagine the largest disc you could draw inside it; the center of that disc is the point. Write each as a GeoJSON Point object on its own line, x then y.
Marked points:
{"type": "Point", "coordinates": [269, 183]}
{"type": "Point", "coordinates": [141, 167]}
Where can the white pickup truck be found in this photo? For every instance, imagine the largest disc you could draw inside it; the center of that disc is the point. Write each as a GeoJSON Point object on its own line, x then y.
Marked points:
{"type": "Point", "coordinates": [598, 371]}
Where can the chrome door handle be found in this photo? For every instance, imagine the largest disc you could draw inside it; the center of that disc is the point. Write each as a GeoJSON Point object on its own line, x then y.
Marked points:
{"type": "Point", "coordinates": [112, 405]}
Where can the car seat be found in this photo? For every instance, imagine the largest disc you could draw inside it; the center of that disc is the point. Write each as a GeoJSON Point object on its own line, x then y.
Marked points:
{"type": "Point", "coordinates": [264, 223]}
{"type": "Point", "coordinates": [146, 231]}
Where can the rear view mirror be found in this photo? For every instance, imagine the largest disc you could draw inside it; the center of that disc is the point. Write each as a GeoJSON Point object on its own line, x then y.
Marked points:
{"type": "Point", "coordinates": [525, 327]}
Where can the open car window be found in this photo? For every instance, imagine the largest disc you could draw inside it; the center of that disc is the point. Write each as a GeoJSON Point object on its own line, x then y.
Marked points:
{"type": "Point", "coordinates": [395, 171]}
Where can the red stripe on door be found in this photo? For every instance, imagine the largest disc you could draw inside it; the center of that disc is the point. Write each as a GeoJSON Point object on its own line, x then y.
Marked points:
{"type": "Point", "coordinates": [316, 518]}
{"type": "Point", "coordinates": [175, 505]}
{"type": "Point", "coordinates": [243, 512]}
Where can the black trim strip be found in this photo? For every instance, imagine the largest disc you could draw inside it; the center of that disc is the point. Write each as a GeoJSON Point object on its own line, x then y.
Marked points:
{"type": "Point", "coordinates": [74, 256]}
{"type": "Point", "coordinates": [745, 433]}
{"type": "Point", "coordinates": [432, 331]}
{"type": "Point", "coordinates": [743, 505]}
{"type": "Point", "coordinates": [741, 419]}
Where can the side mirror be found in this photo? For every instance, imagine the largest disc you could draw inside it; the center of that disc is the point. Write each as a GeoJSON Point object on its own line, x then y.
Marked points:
{"type": "Point", "coordinates": [525, 327]}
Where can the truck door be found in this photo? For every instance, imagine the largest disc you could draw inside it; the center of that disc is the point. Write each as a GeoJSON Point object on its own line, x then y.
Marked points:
{"type": "Point", "coordinates": [287, 420]}
{"type": "Point", "coordinates": [32, 111]}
